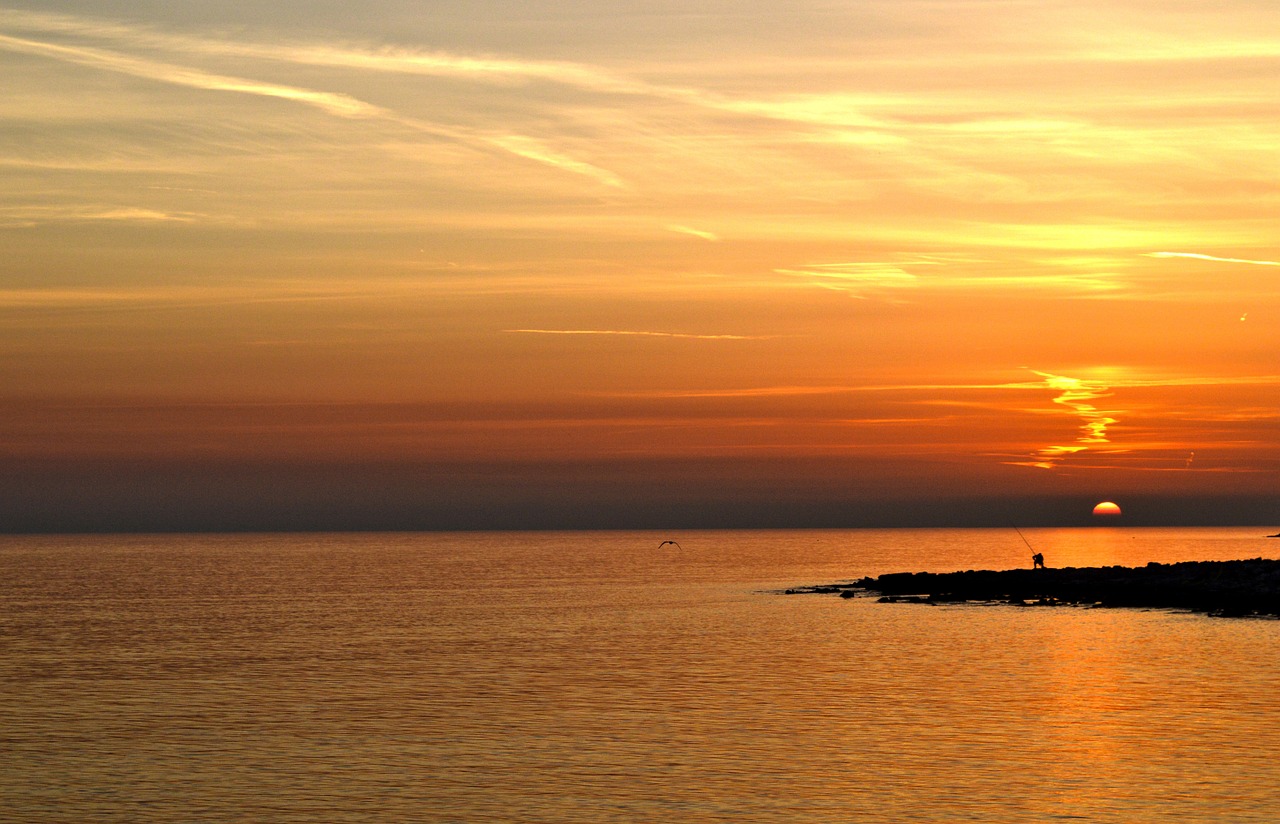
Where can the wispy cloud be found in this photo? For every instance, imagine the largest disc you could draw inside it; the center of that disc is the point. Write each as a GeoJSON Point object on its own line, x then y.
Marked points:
{"type": "Point", "coordinates": [633, 333]}
{"type": "Point", "coordinates": [863, 278]}
{"type": "Point", "coordinates": [35, 215]}
{"type": "Point", "coordinates": [381, 59]}
{"type": "Point", "coordinates": [858, 278]}
{"type": "Point", "coordinates": [154, 298]}
{"type": "Point", "coordinates": [531, 149]}
{"type": "Point", "coordinates": [1069, 283]}
{"type": "Point", "coordinates": [337, 104]}
{"type": "Point", "coordinates": [133, 213]}
{"type": "Point", "coordinates": [698, 233]}
{"type": "Point", "coordinates": [144, 297]}
{"type": "Point", "coordinates": [1198, 380]}
{"type": "Point", "coordinates": [1078, 396]}
{"type": "Point", "coordinates": [931, 388]}
{"type": "Point", "coordinates": [744, 392]}
{"type": "Point", "coordinates": [1213, 258]}
{"type": "Point", "coordinates": [816, 110]}
{"type": "Point", "coordinates": [918, 130]}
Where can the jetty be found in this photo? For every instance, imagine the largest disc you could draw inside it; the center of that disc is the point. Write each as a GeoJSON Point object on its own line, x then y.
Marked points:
{"type": "Point", "coordinates": [1221, 588]}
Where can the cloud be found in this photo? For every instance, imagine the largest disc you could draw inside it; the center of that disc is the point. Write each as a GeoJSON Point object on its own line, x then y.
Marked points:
{"type": "Point", "coordinates": [340, 105]}
{"type": "Point", "coordinates": [1078, 396]}
{"type": "Point", "coordinates": [633, 333]}
{"type": "Point", "coordinates": [1074, 283]}
{"type": "Point", "coordinates": [1213, 258]}
{"type": "Point", "coordinates": [1017, 386]}
{"type": "Point", "coordinates": [864, 277]}
{"type": "Point", "coordinates": [699, 233]}
{"type": "Point", "coordinates": [532, 149]}
{"type": "Point", "coordinates": [747, 392]}
{"type": "Point", "coordinates": [335, 104]}
{"type": "Point", "coordinates": [28, 216]}
{"type": "Point", "coordinates": [131, 213]}
{"type": "Point", "coordinates": [822, 109]}
{"type": "Point", "coordinates": [853, 277]}
{"type": "Point", "coordinates": [1049, 457]}
{"type": "Point", "coordinates": [126, 298]}
{"type": "Point", "coordinates": [386, 60]}
{"type": "Point", "coordinates": [919, 133]}
{"type": "Point", "coordinates": [1197, 380]}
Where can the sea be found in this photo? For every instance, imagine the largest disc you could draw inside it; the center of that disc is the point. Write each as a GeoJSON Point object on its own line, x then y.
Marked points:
{"type": "Point", "coordinates": [601, 676]}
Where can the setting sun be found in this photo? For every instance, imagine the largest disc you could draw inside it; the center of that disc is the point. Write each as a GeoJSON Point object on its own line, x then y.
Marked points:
{"type": "Point", "coordinates": [1106, 509]}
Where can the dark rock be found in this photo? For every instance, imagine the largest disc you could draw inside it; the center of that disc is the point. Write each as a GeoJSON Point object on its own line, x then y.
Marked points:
{"type": "Point", "coordinates": [1227, 588]}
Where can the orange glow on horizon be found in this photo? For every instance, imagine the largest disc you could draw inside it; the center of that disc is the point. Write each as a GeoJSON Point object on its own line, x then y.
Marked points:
{"type": "Point", "coordinates": [948, 261]}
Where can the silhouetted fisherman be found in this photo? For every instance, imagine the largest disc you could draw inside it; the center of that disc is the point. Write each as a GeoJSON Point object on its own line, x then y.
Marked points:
{"type": "Point", "coordinates": [1037, 561]}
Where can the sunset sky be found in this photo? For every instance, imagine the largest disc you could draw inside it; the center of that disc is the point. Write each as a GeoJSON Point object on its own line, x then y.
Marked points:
{"type": "Point", "coordinates": [402, 264]}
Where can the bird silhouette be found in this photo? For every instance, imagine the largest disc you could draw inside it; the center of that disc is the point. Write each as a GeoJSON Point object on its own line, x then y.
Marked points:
{"type": "Point", "coordinates": [664, 543]}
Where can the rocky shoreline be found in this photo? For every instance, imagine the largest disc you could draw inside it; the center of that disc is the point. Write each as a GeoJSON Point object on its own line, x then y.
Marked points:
{"type": "Point", "coordinates": [1222, 588]}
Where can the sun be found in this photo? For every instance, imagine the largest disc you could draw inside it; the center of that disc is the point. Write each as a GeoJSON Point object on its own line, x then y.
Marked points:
{"type": "Point", "coordinates": [1106, 509]}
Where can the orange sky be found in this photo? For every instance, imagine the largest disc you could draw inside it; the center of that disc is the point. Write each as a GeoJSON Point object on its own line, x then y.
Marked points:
{"type": "Point", "coordinates": [800, 258]}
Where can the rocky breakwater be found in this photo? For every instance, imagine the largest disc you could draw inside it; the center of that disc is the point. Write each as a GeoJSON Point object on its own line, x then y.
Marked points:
{"type": "Point", "coordinates": [1225, 588]}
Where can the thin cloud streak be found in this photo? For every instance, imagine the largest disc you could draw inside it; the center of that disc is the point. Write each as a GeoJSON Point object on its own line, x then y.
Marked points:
{"type": "Point", "coordinates": [633, 333]}
{"type": "Point", "coordinates": [336, 104]}
{"type": "Point", "coordinates": [698, 233]}
{"type": "Point", "coordinates": [386, 60]}
{"type": "Point", "coordinates": [854, 275]}
{"type": "Point", "coordinates": [37, 215]}
{"type": "Point", "coordinates": [1019, 386]}
{"type": "Point", "coordinates": [531, 149]}
{"type": "Point", "coordinates": [862, 277]}
{"type": "Point", "coordinates": [1212, 258]}
{"type": "Point", "coordinates": [858, 279]}
{"type": "Point", "coordinates": [227, 294]}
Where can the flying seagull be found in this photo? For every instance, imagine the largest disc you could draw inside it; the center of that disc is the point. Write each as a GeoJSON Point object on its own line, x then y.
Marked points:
{"type": "Point", "coordinates": [664, 543]}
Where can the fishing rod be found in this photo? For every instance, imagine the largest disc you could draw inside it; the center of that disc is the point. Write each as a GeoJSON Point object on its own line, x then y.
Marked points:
{"type": "Point", "coordinates": [1037, 560]}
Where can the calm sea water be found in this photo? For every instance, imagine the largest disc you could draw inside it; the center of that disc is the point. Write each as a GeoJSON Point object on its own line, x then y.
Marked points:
{"type": "Point", "coordinates": [562, 677]}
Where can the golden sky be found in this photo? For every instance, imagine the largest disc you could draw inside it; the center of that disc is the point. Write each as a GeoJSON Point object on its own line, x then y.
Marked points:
{"type": "Point", "coordinates": [935, 248]}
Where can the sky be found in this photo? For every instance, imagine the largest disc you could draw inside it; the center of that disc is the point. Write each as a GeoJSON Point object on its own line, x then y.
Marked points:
{"type": "Point", "coordinates": [422, 265]}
